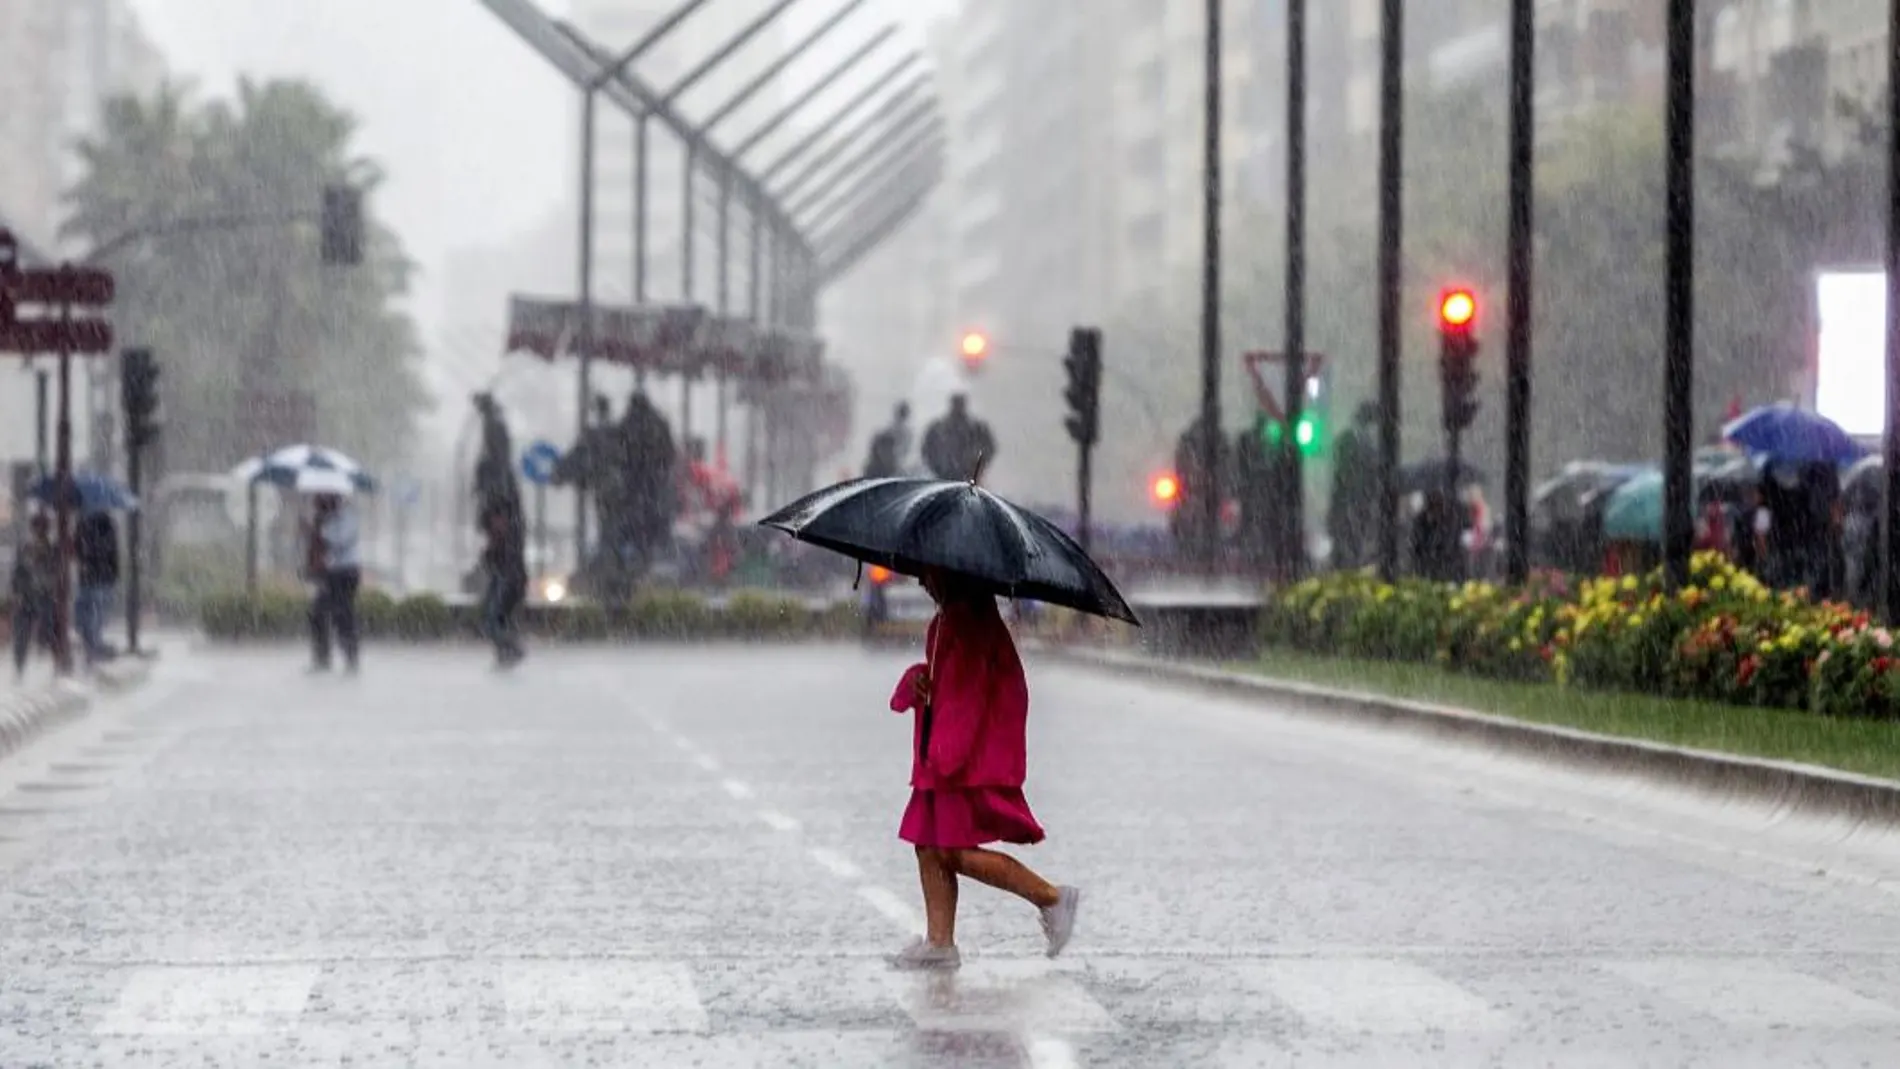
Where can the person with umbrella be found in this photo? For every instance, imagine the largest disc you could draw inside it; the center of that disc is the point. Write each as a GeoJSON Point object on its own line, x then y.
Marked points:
{"type": "Point", "coordinates": [970, 704]}
{"type": "Point", "coordinates": [505, 560]}
{"type": "Point", "coordinates": [968, 697]}
{"type": "Point", "coordinates": [335, 569]}
{"type": "Point", "coordinates": [96, 546]}
{"type": "Point", "coordinates": [35, 613]}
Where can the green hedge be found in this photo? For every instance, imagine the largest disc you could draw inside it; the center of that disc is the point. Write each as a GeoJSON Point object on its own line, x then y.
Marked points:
{"type": "Point", "coordinates": [658, 615]}
{"type": "Point", "coordinates": [1722, 638]}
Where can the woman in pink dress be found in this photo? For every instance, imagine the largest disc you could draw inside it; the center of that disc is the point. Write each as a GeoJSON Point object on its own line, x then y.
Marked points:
{"type": "Point", "coordinates": [970, 704]}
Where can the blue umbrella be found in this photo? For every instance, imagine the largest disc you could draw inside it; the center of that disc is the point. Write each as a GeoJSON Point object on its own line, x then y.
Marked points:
{"type": "Point", "coordinates": [1784, 432]}
{"type": "Point", "coordinates": [88, 492]}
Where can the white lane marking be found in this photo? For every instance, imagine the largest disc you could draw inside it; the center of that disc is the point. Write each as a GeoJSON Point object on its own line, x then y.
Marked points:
{"type": "Point", "coordinates": [835, 863]}
{"type": "Point", "coordinates": [1048, 1052]}
{"type": "Point", "coordinates": [1754, 995]}
{"type": "Point", "coordinates": [778, 820]}
{"type": "Point", "coordinates": [736, 789]}
{"type": "Point", "coordinates": [706, 763]}
{"type": "Point", "coordinates": [210, 1000]}
{"type": "Point", "coordinates": [1373, 997]}
{"type": "Point", "coordinates": [894, 909]}
{"type": "Point", "coordinates": [1039, 1002]}
{"type": "Point", "coordinates": [579, 996]}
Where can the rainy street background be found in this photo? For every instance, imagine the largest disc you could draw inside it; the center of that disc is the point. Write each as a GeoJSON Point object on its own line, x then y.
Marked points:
{"type": "Point", "coordinates": [389, 316]}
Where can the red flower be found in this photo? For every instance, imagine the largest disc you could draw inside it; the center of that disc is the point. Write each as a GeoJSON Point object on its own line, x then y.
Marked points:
{"type": "Point", "coordinates": [1750, 664]}
{"type": "Point", "coordinates": [1883, 663]}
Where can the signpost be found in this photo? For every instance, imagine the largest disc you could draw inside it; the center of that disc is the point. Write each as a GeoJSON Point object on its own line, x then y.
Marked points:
{"type": "Point", "coordinates": [37, 316]}
{"type": "Point", "coordinates": [537, 466]}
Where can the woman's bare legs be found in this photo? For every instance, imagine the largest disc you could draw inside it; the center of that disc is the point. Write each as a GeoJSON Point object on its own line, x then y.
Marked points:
{"type": "Point", "coordinates": [939, 880]}
{"type": "Point", "coordinates": [1000, 871]}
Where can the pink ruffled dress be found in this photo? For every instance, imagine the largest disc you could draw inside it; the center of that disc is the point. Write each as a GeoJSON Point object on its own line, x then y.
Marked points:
{"type": "Point", "coordinates": [969, 754]}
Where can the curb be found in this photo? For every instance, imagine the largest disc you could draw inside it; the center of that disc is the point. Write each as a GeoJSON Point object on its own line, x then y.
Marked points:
{"type": "Point", "coordinates": [1784, 784]}
{"type": "Point", "coordinates": [26, 714]}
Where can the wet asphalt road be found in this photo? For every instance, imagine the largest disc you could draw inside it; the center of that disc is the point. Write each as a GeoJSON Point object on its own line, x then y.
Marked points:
{"type": "Point", "coordinates": [688, 858]}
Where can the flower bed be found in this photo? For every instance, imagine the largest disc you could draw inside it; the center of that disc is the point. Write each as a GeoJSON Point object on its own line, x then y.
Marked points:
{"type": "Point", "coordinates": [1724, 637]}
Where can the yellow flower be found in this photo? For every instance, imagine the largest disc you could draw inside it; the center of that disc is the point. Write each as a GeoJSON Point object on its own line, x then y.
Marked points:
{"type": "Point", "coordinates": [1629, 582]}
{"type": "Point", "coordinates": [1636, 619]}
{"type": "Point", "coordinates": [1718, 583]}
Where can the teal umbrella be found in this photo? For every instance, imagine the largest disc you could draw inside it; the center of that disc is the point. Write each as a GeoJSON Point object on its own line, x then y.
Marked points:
{"type": "Point", "coordinates": [1634, 512]}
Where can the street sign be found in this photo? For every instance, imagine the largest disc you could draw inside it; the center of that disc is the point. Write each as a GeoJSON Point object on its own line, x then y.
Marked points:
{"type": "Point", "coordinates": [538, 461]}
{"type": "Point", "coordinates": [60, 285]}
{"type": "Point", "coordinates": [51, 336]}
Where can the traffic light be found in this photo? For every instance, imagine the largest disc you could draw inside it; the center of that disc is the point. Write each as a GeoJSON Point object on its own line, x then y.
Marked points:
{"type": "Point", "coordinates": [974, 348]}
{"type": "Point", "coordinates": [138, 396]}
{"type": "Point", "coordinates": [1458, 351]}
{"type": "Point", "coordinates": [1084, 392]}
{"type": "Point", "coordinates": [1309, 431]}
{"type": "Point", "coordinates": [342, 225]}
{"type": "Point", "coordinates": [1166, 489]}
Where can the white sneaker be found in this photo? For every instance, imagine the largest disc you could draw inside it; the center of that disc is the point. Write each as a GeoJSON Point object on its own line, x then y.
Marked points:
{"type": "Point", "coordinates": [1058, 921]}
{"type": "Point", "coordinates": [920, 956]}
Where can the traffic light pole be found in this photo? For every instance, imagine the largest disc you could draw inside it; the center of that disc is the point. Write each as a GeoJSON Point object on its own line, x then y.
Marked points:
{"type": "Point", "coordinates": [134, 542]}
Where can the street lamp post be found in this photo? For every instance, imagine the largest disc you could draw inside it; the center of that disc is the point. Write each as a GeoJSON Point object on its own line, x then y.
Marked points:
{"type": "Point", "coordinates": [1679, 290]}
{"type": "Point", "coordinates": [1207, 548]}
{"type": "Point", "coordinates": [1517, 356]}
{"type": "Point", "coordinates": [1391, 234]}
{"type": "Point", "coordinates": [1890, 555]}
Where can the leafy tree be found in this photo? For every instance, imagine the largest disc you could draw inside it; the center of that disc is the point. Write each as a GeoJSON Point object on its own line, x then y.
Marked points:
{"type": "Point", "coordinates": [232, 308]}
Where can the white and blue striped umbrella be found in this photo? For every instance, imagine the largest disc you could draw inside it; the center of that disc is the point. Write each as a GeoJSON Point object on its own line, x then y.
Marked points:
{"type": "Point", "coordinates": [312, 469]}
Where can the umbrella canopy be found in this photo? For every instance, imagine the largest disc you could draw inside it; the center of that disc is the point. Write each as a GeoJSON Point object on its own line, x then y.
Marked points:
{"type": "Point", "coordinates": [88, 491]}
{"type": "Point", "coordinates": [311, 469]}
{"type": "Point", "coordinates": [1784, 432]}
{"type": "Point", "coordinates": [1428, 475]}
{"type": "Point", "coordinates": [911, 525]}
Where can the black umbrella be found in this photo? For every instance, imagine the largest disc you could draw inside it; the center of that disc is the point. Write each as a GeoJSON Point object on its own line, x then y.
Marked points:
{"type": "Point", "coordinates": [1428, 475]}
{"type": "Point", "coordinates": [911, 525]}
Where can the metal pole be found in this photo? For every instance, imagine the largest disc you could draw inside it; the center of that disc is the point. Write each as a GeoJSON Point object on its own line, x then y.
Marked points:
{"type": "Point", "coordinates": [63, 504]}
{"type": "Point", "coordinates": [134, 542]}
{"type": "Point", "coordinates": [688, 247]}
{"type": "Point", "coordinates": [1207, 548]}
{"type": "Point", "coordinates": [755, 312]}
{"type": "Point", "coordinates": [1890, 558]}
{"type": "Point", "coordinates": [42, 385]}
{"type": "Point", "coordinates": [1391, 231]}
{"type": "Point", "coordinates": [1517, 355]}
{"type": "Point", "coordinates": [585, 333]}
{"type": "Point", "coordinates": [1679, 315]}
{"type": "Point", "coordinates": [725, 300]}
{"type": "Point", "coordinates": [640, 208]}
{"type": "Point", "coordinates": [250, 538]}
{"type": "Point", "coordinates": [1295, 504]}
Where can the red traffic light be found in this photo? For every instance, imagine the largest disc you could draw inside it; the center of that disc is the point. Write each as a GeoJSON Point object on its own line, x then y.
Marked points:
{"type": "Point", "coordinates": [975, 345]}
{"type": "Point", "coordinates": [1457, 308]}
{"type": "Point", "coordinates": [880, 575]}
{"type": "Point", "coordinates": [1166, 489]}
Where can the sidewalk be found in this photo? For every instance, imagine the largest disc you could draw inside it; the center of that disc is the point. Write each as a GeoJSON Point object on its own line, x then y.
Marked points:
{"type": "Point", "coordinates": [40, 697]}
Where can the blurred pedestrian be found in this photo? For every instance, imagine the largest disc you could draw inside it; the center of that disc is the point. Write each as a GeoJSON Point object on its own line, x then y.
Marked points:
{"type": "Point", "coordinates": [335, 569]}
{"type": "Point", "coordinates": [33, 586]}
{"type": "Point", "coordinates": [890, 447]}
{"type": "Point", "coordinates": [96, 546]}
{"type": "Point", "coordinates": [1352, 513]}
{"type": "Point", "coordinates": [505, 560]}
{"type": "Point", "coordinates": [970, 704]}
{"type": "Point", "coordinates": [958, 445]}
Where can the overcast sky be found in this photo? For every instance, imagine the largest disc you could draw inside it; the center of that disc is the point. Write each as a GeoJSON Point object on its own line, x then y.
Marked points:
{"type": "Point", "coordinates": [469, 122]}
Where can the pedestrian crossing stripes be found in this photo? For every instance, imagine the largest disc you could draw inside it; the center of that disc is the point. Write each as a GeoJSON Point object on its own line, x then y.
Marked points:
{"type": "Point", "coordinates": [1032, 998]}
